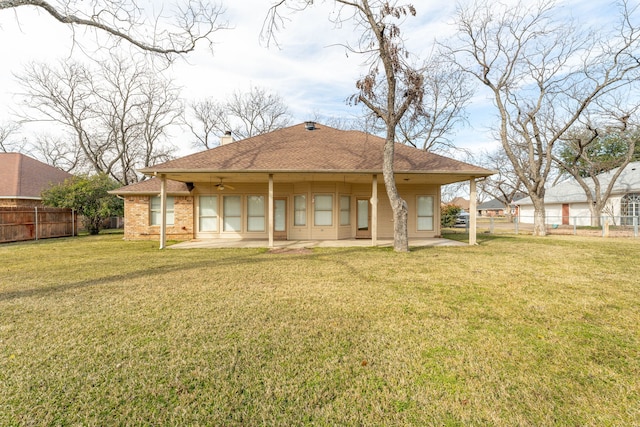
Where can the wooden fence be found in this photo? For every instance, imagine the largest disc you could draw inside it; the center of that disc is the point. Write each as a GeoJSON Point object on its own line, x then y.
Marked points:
{"type": "Point", "coordinates": [27, 223]}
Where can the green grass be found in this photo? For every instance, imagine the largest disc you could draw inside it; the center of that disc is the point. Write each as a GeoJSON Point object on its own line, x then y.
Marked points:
{"type": "Point", "coordinates": [514, 331]}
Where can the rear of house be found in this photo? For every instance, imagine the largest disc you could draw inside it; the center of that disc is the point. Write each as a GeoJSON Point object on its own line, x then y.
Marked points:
{"type": "Point", "coordinates": [299, 183]}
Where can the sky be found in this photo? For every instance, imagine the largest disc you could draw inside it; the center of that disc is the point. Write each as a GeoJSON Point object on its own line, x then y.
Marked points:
{"type": "Point", "coordinates": [309, 70]}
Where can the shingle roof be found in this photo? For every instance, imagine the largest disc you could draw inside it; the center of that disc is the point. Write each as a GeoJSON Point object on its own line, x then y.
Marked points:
{"type": "Point", "coordinates": [571, 192]}
{"type": "Point", "coordinates": [22, 177]}
{"type": "Point", "coordinates": [498, 204]}
{"type": "Point", "coordinates": [152, 186]}
{"type": "Point", "coordinates": [325, 149]}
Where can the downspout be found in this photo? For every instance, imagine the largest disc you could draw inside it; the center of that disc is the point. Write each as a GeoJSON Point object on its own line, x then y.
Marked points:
{"type": "Point", "coordinates": [163, 211]}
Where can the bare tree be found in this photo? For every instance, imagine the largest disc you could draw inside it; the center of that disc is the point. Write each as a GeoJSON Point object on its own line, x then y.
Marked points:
{"type": "Point", "coordinates": [7, 145]}
{"type": "Point", "coordinates": [192, 22]}
{"type": "Point", "coordinates": [58, 152]}
{"type": "Point", "coordinates": [391, 86]}
{"type": "Point", "coordinates": [543, 76]}
{"type": "Point", "coordinates": [205, 123]}
{"type": "Point", "coordinates": [245, 114]}
{"type": "Point", "coordinates": [256, 112]}
{"type": "Point", "coordinates": [447, 91]}
{"type": "Point", "coordinates": [117, 114]}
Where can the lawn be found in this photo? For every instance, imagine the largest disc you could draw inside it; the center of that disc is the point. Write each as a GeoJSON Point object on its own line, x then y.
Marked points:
{"type": "Point", "coordinates": [515, 331]}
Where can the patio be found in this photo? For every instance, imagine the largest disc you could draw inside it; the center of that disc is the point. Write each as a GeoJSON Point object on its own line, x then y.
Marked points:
{"type": "Point", "coordinates": [299, 244]}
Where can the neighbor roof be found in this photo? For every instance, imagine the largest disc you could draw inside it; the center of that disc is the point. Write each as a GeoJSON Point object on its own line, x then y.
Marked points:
{"type": "Point", "coordinates": [22, 177]}
{"type": "Point", "coordinates": [324, 149]}
{"type": "Point", "coordinates": [571, 192]}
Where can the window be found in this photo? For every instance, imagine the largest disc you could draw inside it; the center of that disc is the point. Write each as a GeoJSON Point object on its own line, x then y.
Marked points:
{"type": "Point", "coordinates": [630, 208]}
{"type": "Point", "coordinates": [255, 213]}
{"type": "Point", "coordinates": [345, 210]}
{"type": "Point", "coordinates": [232, 210]}
{"type": "Point", "coordinates": [300, 211]}
{"type": "Point", "coordinates": [156, 213]}
{"type": "Point", "coordinates": [208, 212]}
{"type": "Point", "coordinates": [425, 213]}
{"type": "Point", "coordinates": [323, 210]}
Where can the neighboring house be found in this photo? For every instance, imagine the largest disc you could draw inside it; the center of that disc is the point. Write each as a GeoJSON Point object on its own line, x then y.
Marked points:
{"type": "Point", "coordinates": [304, 182]}
{"type": "Point", "coordinates": [566, 203]}
{"type": "Point", "coordinates": [22, 180]}
{"type": "Point", "coordinates": [22, 214]}
{"type": "Point", "coordinates": [460, 202]}
{"type": "Point", "coordinates": [491, 208]}
{"type": "Point", "coordinates": [496, 207]}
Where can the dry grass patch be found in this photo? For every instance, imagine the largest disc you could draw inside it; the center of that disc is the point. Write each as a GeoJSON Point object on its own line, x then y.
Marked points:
{"type": "Point", "coordinates": [516, 331]}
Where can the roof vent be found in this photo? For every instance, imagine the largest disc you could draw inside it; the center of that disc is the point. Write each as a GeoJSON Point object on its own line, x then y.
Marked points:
{"type": "Point", "coordinates": [310, 125]}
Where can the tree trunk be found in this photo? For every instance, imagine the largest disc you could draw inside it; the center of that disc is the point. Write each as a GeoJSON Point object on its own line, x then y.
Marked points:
{"type": "Point", "coordinates": [596, 213]}
{"type": "Point", "coordinates": [398, 204]}
{"type": "Point", "coordinates": [539, 227]}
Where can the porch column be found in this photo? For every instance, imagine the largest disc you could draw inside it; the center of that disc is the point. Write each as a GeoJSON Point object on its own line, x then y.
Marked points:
{"type": "Point", "coordinates": [270, 214]}
{"type": "Point", "coordinates": [163, 211]}
{"type": "Point", "coordinates": [473, 200]}
{"type": "Point", "coordinates": [374, 211]}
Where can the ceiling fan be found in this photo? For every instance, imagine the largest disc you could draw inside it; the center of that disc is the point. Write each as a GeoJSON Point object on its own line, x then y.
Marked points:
{"type": "Point", "coordinates": [221, 186]}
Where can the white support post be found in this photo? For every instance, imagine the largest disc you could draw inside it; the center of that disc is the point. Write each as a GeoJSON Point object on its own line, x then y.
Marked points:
{"type": "Point", "coordinates": [374, 211]}
{"type": "Point", "coordinates": [270, 214]}
{"type": "Point", "coordinates": [473, 211]}
{"type": "Point", "coordinates": [163, 211]}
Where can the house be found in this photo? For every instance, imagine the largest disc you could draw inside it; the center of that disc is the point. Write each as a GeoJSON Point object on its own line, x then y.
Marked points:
{"type": "Point", "coordinates": [22, 180]}
{"type": "Point", "coordinates": [22, 214]}
{"type": "Point", "coordinates": [304, 182]}
{"type": "Point", "coordinates": [460, 202]}
{"type": "Point", "coordinates": [496, 207]}
{"type": "Point", "coordinates": [566, 202]}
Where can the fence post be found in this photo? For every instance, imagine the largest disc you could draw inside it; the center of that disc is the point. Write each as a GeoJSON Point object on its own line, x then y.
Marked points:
{"type": "Point", "coordinates": [635, 226]}
{"type": "Point", "coordinates": [575, 223]}
{"type": "Point", "coordinates": [491, 225]}
{"type": "Point", "coordinates": [605, 226]}
{"type": "Point", "coordinates": [515, 221]}
{"type": "Point", "coordinates": [36, 208]}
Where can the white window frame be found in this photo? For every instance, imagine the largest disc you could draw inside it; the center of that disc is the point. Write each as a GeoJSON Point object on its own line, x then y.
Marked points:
{"type": "Point", "coordinates": [316, 211]}
{"type": "Point", "coordinates": [345, 210]}
{"type": "Point", "coordinates": [300, 210]}
{"type": "Point", "coordinates": [425, 217]}
{"type": "Point", "coordinates": [255, 218]}
{"type": "Point", "coordinates": [155, 214]}
{"type": "Point", "coordinates": [226, 226]}
{"type": "Point", "coordinates": [215, 217]}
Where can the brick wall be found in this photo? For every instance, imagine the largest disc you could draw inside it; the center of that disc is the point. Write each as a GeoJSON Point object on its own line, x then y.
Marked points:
{"type": "Point", "coordinates": [137, 219]}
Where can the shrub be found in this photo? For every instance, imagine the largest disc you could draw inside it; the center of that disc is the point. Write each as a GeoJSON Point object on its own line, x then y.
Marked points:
{"type": "Point", "coordinates": [448, 214]}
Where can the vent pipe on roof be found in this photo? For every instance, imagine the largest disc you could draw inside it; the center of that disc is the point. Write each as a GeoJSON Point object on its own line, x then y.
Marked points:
{"type": "Point", "coordinates": [310, 125]}
{"type": "Point", "coordinates": [227, 138]}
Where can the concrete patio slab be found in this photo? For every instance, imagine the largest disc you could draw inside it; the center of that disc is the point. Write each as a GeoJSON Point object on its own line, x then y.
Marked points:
{"type": "Point", "coordinates": [298, 244]}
